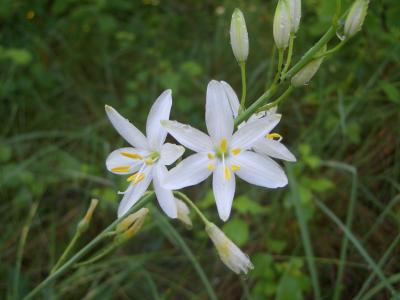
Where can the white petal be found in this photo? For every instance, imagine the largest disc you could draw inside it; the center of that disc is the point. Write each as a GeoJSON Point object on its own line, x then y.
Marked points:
{"type": "Point", "coordinates": [169, 153]}
{"type": "Point", "coordinates": [183, 212]}
{"type": "Point", "coordinates": [165, 197]}
{"type": "Point", "coordinates": [134, 192]}
{"type": "Point", "coordinates": [128, 131]}
{"type": "Point", "coordinates": [224, 190]}
{"type": "Point", "coordinates": [232, 98]}
{"type": "Point", "coordinates": [160, 110]}
{"type": "Point", "coordinates": [251, 132]}
{"type": "Point", "coordinates": [116, 159]}
{"type": "Point", "coordinates": [188, 172]}
{"type": "Point", "coordinates": [219, 119]}
{"type": "Point", "coordinates": [188, 136]}
{"type": "Point", "coordinates": [273, 149]}
{"type": "Point", "coordinates": [259, 170]}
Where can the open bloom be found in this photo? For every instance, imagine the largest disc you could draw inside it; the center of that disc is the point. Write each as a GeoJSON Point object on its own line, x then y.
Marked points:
{"type": "Point", "coordinates": [146, 160]}
{"type": "Point", "coordinates": [229, 253]}
{"type": "Point", "coordinates": [223, 153]}
{"type": "Point", "coordinates": [270, 143]}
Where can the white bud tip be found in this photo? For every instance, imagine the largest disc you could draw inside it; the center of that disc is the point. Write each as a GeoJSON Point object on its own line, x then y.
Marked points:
{"type": "Point", "coordinates": [282, 25]}
{"type": "Point", "coordinates": [355, 18]}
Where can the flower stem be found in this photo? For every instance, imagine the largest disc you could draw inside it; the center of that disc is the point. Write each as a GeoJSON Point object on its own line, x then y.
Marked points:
{"type": "Point", "coordinates": [67, 251]}
{"type": "Point", "coordinates": [280, 64]}
{"type": "Point", "coordinates": [67, 265]}
{"type": "Point", "coordinates": [333, 50]}
{"type": "Point", "coordinates": [195, 208]}
{"type": "Point", "coordinates": [290, 54]}
{"type": "Point", "coordinates": [243, 75]}
{"type": "Point", "coordinates": [277, 101]}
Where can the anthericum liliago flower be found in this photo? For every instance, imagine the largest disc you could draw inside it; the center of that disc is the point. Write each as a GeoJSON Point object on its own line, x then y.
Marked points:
{"type": "Point", "coordinates": [223, 153]}
{"type": "Point", "coordinates": [147, 159]}
{"type": "Point", "coordinates": [269, 144]}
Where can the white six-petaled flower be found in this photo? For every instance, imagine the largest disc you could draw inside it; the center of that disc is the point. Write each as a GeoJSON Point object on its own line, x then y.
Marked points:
{"type": "Point", "coordinates": [147, 159]}
{"type": "Point", "coordinates": [223, 153]}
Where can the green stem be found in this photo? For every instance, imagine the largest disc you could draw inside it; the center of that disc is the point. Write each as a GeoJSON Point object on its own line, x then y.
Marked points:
{"type": "Point", "coordinates": [376, 289]}
{"type": "Point", "coordinates": [21, 246]}
{"type": "Point", "coordinates": [67, 251]}
{"type": "Point", "coordinates": [337, 13]}
{"type": "Point", "coordinates": [195, 208]}
{"type": "Point", "coordinates": [357, 245]}
{"type": "Point", "coordinates": [277, 101]}
{"type": "Point", "coordinates": [290, 54]}
{"type": "Point", "coordinates": [243, 75]}
{"type": "Point", "coordinates": [69, 263]}
{"type": "Point", "coordinates": [333, 50]}
{"type": "Point", "coordinates": [280, 64]}
{"type": "Point", "coordinates": [110, 248]}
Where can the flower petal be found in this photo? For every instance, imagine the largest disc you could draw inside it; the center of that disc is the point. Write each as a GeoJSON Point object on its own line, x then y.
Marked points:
{"type": "Point", "coordinates": [126, 129]}
{"type": "Point", "coordinates": [188, 136]}
{"type": "Point", "coordinates": [165, 197]}
{"type": "Point", "coordinates": [160, 110]}
{"type": "Point", "coordinates": [259, 170]}
{"type": "Point", "coordinates": [274, 149]}
{"type": "Point", "coordinates": [134, 192]}
{"type": "Point", "coordinates": [169, 153]}
{"type": "Point", "coordinates": [251, 132]}
{"type": "Point", "coordinates": [116, 159]}
{"type": "Point", "coordinates": [224, 190]}
{"type": "Point", "coordinates": [219, 119]}
{"type": "Point", "coordinates": [188, 172]}
{"type": "Point", "coordinates": [232, 98]}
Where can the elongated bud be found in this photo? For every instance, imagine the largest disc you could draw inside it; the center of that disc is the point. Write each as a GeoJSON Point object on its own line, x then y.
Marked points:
{"type": "Point", "coordinates": [239, 36]}
{"type": "Point", "coordinates": [282, 25]}
{"type": "Point", "coordinates": [295, 14]}
{"type": "Point", "coordinates": [308, 71]}
{"type": "Point", "coordinates": [131, 225]}
{"type": "Point", "coordinates": [229, 253]}
{"type": "Point", "coordinates": [84, 223]}
{"type": "Point", "coordinates": [183, 213]}
{"type": "Point", "coordinates": [355, 18]}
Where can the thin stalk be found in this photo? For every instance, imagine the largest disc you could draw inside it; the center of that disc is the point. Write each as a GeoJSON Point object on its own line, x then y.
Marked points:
{"type": "Point", "coordinates": [195, 208]}
{"type": "Point", "coordinates": [280, 65]}
{"type": "Point", "coordinates": [376, 289]}
{"type": "Point", "coordinates": [333, 50]}
{"type": "Point", "coordinates": [110, 248]}
{"type": "Point", "coordinates": [69, 263]}
{"type": "Point", "coordinates": [277, 101]}
{"type": "Point", "coordinates": [357, 245]}
{"type": "Point", "coordinates": [305, 235]}
{"type": "Point", "coordinates": [67, 251]}
{"type": "Point", "coordinates": [21, 246]}
{"type": "Point", "coordinates": [290, 54]}
{"type": "Point", "coordinates": [243, 75]}
{"type": "Point", "coordinates": [337, 13]}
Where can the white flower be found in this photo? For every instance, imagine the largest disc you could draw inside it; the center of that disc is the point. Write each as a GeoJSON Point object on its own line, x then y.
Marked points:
{"type": "Point", "coordinates": [270, 143]}
{"type": "Point", "coordinates": [148, 157]}
{"type": "Point", "coordinates": [282, 25]}
{"type": "Point", "coordinates": [183, 212]}
{"type": "Point", "coordinates": [223, 153]}
{"type": "Point", "coordinates": [295, 14]}
{"type": "Point", "coordinates": [239, 36]}
{"type": "Point", "coordinates": [355, 18]}
{"type": "Point", "coordinates": [229, 253]}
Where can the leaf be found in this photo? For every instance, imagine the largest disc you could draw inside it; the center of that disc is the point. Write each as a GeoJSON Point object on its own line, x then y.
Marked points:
{"type": "Point", "coordinates": [238, 231]}
{"type": "Point", "coordinates": [391, 91]}
{"type": "Point", "coordinates": [289, 288]}
{"type": "Point", "coordinates": [244, 205]}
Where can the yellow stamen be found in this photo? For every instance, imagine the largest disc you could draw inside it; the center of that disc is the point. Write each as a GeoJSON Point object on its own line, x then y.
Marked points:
{"type": "Point", "coordinates": [223, 146]}
{"type": "Point", "coordinates": [236, 151]}
{"type": "Point", "coordinates": [210, 156]}
{"type": "Point", "coordinates": [274, 136]}
{"type": "Point", "coordinates": [121, 169]}
{"type": "Point", "coordinates": [149, 161]}
{"type": "Point", "coordinates": [132, 155]}
{"type": "Point", "coordinates": [235, 167]}
{"type": "Point", "coordinates": [227, 173]}
{"type": "Point", "coordinates": [211, 167]}
{"type": "Point", "coordinates": [136, 178]}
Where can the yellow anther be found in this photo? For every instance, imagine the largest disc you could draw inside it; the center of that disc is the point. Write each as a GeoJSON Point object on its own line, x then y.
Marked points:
{"type": "Point", "coordinates": [121, 169]}
{"type": "Point", "coordinates": [30, 15]}
{"type": "Point", "coordinates": [132, 155]}
{"type": "Point", "coordinates": [235, 167]}
{"type": "Point", "coordinates": [236, 151]}
{"type": "Point", "coordinates": [211, 167]}
{"type": "Point", "coordinates": [227, 173]}
{"type": "Point", "coordinates": [274, 136]}
{"type": "Point", "coordinates": [149, 161]}
{"type": "Point", "coordinates": [136, 178]}
{"type": "Point", "coordinates": [223, 146]}
{"type": "Point", "coordinates": [210, 156]}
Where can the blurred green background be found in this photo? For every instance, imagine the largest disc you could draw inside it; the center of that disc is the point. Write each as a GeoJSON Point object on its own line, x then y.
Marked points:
{"type": "Point", "coordinates": [62, 60]}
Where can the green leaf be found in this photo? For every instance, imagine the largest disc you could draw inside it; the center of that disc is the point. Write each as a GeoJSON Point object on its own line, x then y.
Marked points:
{"type": "Point", "coordinates": [391, 91]}
{"type": "Point", "coordinates": [238, 231]}
{"type": "Point", "coordinates": [244, 205]}
{"type": "Point", "coordinates": [289, 288]}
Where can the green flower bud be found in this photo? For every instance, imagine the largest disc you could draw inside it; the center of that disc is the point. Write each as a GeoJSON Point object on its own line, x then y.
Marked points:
{"type": "Point", "coordinates": [282, 25]}
{"type": "Point", "coordinates": [355, 18]}
{"type": "Point", "coordinates": [239, 36]}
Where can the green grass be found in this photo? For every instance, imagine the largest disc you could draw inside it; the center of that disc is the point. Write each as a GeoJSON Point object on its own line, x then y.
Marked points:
{"type": "Point", "coordinates": [59, 68]}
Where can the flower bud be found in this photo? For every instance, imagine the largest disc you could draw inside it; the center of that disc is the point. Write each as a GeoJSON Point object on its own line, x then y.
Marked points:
{"type": "Point", "coordinates": [131, 225]}
{"type": "Point", "coordinates": [355, 18]}
{"type": "Point", "coordinates": [308, 71]}
{"type": "Point", "coordinates": [239, 36]}
{"type": "Point", "coordinates": [84, 223]}
{"type": "Point", "coordinates": [229, 253]}
{"type": "Point", "coordinates": [295, 14]}
{"type": "Point", "coordinates": [282, 24]}
{"type": "Point", "coordinates": [183, 213]}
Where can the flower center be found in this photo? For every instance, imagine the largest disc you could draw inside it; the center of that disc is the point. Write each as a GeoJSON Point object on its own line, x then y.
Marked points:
{"type": "Point", "coordinates": [222, 153]}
